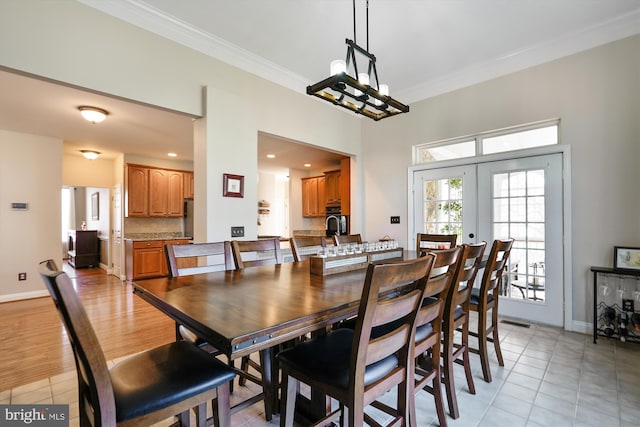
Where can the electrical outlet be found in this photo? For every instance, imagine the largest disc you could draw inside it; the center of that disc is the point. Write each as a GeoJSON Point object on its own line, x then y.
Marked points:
{"type": "Point", "coordinates": [395, 220]}
{"type": "Point", "coordinates": [237, 231]}
{"type": "Point", "coordinates": [22, 276]}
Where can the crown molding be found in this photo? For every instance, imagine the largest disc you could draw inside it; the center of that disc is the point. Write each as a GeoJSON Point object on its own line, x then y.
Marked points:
{"type": "Point", "coordinates": [143, 15]}
{"type": "Point", "coordinates": [587, 38]}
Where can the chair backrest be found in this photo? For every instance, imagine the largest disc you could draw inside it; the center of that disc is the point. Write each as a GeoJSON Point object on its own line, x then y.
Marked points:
{"type": "Point", "coordinates": [96, 399]}
{"type": "Point", "coordinates": [304, 247]}
{"type": "Point", "coordinates": [440, 280]}
{"type": "Point", "coordinates": [395, 315]}
{"type": "Point", "coordinates": [464, 277]}
{"type": "Point", "coordinates": [494, 269]}
{"type": "Point", "coordinates": [199, 257]}
{"type": "Point", "coordinates": [435, 241]}
{"type": "Point", "coordinates": [257, 252]}
{"type": "Point", "coordinates": [344, 239]}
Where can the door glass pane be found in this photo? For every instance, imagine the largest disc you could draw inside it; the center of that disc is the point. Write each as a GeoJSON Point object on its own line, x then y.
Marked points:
{"type": "Point", "coordinates": [523, 193]}
{"type": "Point", "coordinates": [443, 206]}
{"type": "Point", "coordinates": [519, 140]}
{"type": "Point", "coordinates": [445, 152]}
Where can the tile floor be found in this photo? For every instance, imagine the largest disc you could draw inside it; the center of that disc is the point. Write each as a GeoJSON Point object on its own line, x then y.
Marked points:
{"type": "Point", "coordinates": [550, 378]}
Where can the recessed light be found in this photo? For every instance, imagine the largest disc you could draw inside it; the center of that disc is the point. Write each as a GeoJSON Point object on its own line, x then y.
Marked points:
{"type": "Point", "coordinates": [271, 156]}
{"type": "Point", "coordinates": [307, 165]}
{"type": "Point", "coordinates": [172, 155]}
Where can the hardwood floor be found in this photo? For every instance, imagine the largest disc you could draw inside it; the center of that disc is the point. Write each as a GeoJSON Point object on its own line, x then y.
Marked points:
{"type": "Point", "coordinates": [34, 342]}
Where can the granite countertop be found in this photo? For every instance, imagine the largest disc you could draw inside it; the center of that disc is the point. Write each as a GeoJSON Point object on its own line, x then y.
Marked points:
{"type": "Point", "coordinates": [156, 236]}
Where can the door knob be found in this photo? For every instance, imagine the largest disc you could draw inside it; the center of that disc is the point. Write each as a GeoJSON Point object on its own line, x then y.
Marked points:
{"type": "Point", "coordinates": [471, 235]}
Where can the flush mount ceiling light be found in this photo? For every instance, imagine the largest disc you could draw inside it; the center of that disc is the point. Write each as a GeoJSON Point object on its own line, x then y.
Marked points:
{"type": "Point", "coordinates": [359, 92]}
{"type": "Point", "coordinates": [93, 114]}
{"type": "Point", "coordinates": [90, 154]}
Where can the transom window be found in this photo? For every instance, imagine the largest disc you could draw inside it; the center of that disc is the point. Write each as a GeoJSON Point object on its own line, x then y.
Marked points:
{"type": "Point", "coordinates": [498, 141]}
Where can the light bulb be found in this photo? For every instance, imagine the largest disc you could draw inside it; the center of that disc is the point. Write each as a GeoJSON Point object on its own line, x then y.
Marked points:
{"type": "Point", "coordinates": [338, 66]}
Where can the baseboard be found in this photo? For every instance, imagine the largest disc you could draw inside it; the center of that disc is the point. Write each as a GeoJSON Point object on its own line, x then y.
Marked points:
{"type": "Point", "coordinates": [582, 327]}
{"type": "Point", "coordinates": [23, 296]}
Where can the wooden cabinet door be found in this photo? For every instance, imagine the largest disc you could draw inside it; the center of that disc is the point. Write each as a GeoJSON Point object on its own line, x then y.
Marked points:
{"type": "Point", "coordinates": [148, 260]}
{"type": "Point", "coordinates": [305, 197]}
{"type": "Point", "coordinates": [322, 197]}
{"type": "Point", "coordinates": [137, 198]}
{"type": "Point", "coordinates": [175, 194]}
{"type": "Point", "coordinates": [158, 192]}
{"type": "Point", "coordinates": [188, 184]}
{"type": "Point", "coordinates": [332, 187]}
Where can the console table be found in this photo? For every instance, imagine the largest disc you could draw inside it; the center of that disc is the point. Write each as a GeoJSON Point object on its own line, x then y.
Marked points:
{"type": "Point", "coordinates": [617, 306]}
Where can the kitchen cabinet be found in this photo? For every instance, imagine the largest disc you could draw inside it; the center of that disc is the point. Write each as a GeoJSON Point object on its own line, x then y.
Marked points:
{"type": "Point", "coordinates": [313, 190]}
{"type": "Point", "coordinates": [146, 258]}
{"type": "Point", "coordinates": [166, 198]}
{"type": "Point", "coordinates": [345, 186]}
{"type": "Point", "coordinates": [153, 192]}
{"type": "Point", "coordinates": [332, 188]}
{"type": "Point", "coordinates": [137, 191]}
{"type": "Point", "coordinates": [187, 184]}
{"type": "Point", "coordinates": [83, 250]}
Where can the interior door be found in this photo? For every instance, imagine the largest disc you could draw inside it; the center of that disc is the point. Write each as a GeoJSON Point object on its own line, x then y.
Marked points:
{"type": "Point", "coordinates": [522, 198]}
{"type": "Point", "coordinates": [445, 202]}
{"type": "Point", "coordinates": [116, 231]}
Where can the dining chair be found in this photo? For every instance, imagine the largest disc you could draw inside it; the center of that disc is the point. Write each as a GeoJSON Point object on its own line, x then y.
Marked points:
{"type": "Point", "coordinates": [485, 298]}
{"type": "Point", "coordinates": [456, 316]}
{"type": "Point", "coordinates": [355, 368]}
{"type": "Point", "coordinates": [347, 238]}
{"type": "Point", "coordinates": [427, 350]}
{"type": "Point", "coordinates": [304, 247]}
{"type": "Point", "coordinates": [143, 389]}
{"type": "Point", "coordinates": [435, 241]}
{"type": "Point", "coordinates": [251, 253]}
{"type": "Point", "coordinates": [199, 258]}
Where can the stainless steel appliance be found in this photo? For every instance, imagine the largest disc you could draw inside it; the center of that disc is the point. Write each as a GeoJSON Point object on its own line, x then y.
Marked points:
{"type": "Point", "coordinates": [187, 224]}
{"type": "Point", "coordinates": [335, 222]}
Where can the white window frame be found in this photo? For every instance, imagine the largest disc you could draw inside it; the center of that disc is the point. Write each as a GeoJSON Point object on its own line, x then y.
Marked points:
{"type": "Point", "coordinates": [479, 138]}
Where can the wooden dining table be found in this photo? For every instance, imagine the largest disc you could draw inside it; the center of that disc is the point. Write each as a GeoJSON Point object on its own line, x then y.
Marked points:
{"type": "Point", "coordinates": [241, 312]}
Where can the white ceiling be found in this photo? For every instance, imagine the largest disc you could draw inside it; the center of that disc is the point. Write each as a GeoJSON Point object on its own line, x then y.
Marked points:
{"type": "Point", "coordinates": [423, 48]}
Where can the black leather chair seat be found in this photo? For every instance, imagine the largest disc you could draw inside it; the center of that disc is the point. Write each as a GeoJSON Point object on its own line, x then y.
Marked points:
{"type": "Point", "coordinates": [475, 296]}
{"type": "Point", "coordinates": [328, 357]}
{"type": "Point", "coordinates": [160, 377]}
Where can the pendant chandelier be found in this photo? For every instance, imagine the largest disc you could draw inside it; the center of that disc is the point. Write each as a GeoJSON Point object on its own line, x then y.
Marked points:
{"type": "Point", "coordinates": [360, 92]}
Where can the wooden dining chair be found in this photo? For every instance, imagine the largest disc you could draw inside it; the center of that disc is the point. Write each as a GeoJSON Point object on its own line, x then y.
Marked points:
{"type": "Point", "coordinates": [485, 298]}
{"type": "Point", "coordinates": [347, 238]}
{"type": "Point", "coordinates": [355, 368]}
{"type": "Point", "coordinates": [251, 253]}
{"type": "Point", "coordinates": [197, 258]}
{"type": "Point", "coordinates": [143, 389]}
{"type": "Point", "coordinates": [304, 247]}
{"type": "Point", "coordinates": [427, 350]}
{"type": "Point", "coordinates": [435, 241]}
{"type": "Point", "coordinates": [456, 316]}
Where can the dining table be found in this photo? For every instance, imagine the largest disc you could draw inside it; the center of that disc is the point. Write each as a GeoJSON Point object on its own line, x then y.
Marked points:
{"type": "Point", "coordinates": [256, 309]}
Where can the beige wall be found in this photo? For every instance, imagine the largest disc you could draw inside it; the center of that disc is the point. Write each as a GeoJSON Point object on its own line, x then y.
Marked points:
{"type": "Point", "coordinates": [30, 172]}
{"type": "Point", "coordinates": [596, 94]}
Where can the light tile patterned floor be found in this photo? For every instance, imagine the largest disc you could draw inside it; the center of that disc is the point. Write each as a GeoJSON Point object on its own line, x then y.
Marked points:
{"type": "Point", "coordinates": [550, 378]}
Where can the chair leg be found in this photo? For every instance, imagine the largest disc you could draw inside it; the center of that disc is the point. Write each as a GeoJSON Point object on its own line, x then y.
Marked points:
{"type": "Point", "coordinates": [449, 382]}
{"type": "Point", "coordinates": [482, 345]}
{"type": "Point", "coordinates": [244, 366]}
{"type": "Point", "coordinates": [183, 419]}
{"type": "Point", "coordinates": [465, 357]}
{"type": "Point", "coordinates": [288, 400]}
{"type": "Point", "coordinates": [437, 397]}
{"type": "Point", "coordinates": [222, 407]}
{"type": "Point", "coordinates": [496, 339]}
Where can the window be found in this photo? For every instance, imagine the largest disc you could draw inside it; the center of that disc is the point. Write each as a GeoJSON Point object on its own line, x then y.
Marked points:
{"type": "Point", "coordinates": [498, 141]}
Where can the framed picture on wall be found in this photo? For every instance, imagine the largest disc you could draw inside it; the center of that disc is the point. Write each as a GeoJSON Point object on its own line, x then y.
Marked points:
{"type": "Point", "coordinates": [626, 258]}
{"type": "Point", "coordinates": [95, 206]}
{"type": "Point", "coordinates": [232, 185]}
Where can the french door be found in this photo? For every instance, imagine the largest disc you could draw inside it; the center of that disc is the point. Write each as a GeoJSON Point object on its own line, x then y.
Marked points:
{"type": "Point", "coordinates": [519, 198]}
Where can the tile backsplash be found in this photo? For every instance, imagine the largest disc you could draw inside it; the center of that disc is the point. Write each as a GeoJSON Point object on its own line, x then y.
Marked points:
{"type": "Point", "coordinates": [153, 225]}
